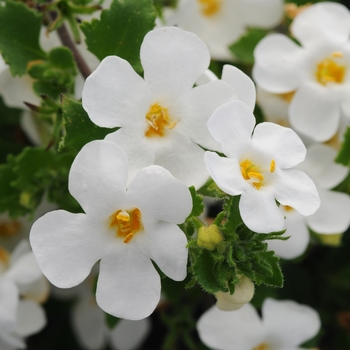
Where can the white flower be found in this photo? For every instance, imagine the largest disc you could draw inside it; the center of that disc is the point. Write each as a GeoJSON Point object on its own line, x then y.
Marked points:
{"type": "Point", "coordinates": [333, 216]}
{"type": "Point", "coordinates": [162, 117]}
{"type": "Point", "coordinates": [258, 167]}
{"type": "Point", "coordinates": [318, 70]}
{"type": "Point", "coordinates": [244, 292]}
{"type": "Point", "coordinates": [219, 23]}
{"type": "Point", "coordinates": [285, 325]}
{"type": "Point", "coordinates": [124, 225]}
{"type": "Point", "coordinates": [89, 323]}
{"type": "Point", "coordinates": [20, 314]}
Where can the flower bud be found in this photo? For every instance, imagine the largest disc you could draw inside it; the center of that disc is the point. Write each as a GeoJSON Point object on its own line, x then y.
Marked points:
{"type": "Point", "coordinates": [209, 237]}
{"type": "Point", "coordinates": [243, 294]}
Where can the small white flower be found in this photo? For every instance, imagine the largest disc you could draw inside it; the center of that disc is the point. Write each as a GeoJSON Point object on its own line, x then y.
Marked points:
{"type": "Point", "coordinates": [219, 23]}
{"type": "Point", "coordinates": [20, 313]}
{"type": "Point", "coordinates": [124, 226]}
{"type": "Point", "coordinates": [284, 325]}
{"type": "Point", "coordinates": [317, 71]}
{"type": "Point", "coordinates": [333, 215]}
{"type": "Point", "coordinates": [258, 167]}
{"type": "Point", "coordinates": [162, 118]}
{"type": "Point", "coordinates": [89, 323]}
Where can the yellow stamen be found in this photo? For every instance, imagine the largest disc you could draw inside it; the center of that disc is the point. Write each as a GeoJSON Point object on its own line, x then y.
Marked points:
{"type": "Point", "coordinates": [210, 7]}
{"type": "Point", "coordinates": [337, 54]}
{"type": "Point", "coordinates": [9, 228]}
{"type": "Point", "coordinates": [287, 208]}
{"type": "Point", "coordinates": [272, 166]}
{"type": "Point", "coordinates": [158, 121]}
{"type": "Point", "coordinates": [251, 173]}
{"type": "Point", "coordinates": [328, 71]}
{"type": "Point", "coordinates": [127, 223]}
{"type": "Point", "coordinates": [262, 346]}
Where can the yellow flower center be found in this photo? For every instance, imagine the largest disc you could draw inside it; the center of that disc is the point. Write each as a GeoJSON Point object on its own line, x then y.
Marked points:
{"type": "Point", "coordinates": [329, 71]}
{"type": "Point", "coordinates": [158, 121]}
{"type": "Point", "coordinates": [127, 223]}
{"type": "Point", "coordinates": [253, 174]}
{"type": "Point", "coordinates": [9, 228]}
{"type": "Point", "coordinates": [262, 346]}
{"type": "Point", "coordinates": [210, 7]}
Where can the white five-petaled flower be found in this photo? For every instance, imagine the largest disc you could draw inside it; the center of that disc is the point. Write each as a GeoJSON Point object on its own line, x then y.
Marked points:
{"type": "Point", "coordinates": [333, 216]}
{"type": "Point", "coordinates": [162, 118]}
{"type": "Point", "coordinates": [124, 226]}
{"type": "Point", "coordinates": [317, 71]}
{"type": "Point", "coordinates": [284, 325]}
{"type": "Point", "coordinates": [257, 167]}
{"type": "Point", "coordinates": [219, 23]}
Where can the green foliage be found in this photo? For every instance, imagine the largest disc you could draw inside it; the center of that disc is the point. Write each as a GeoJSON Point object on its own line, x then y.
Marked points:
{"type": "Point", "coordinates": [78, 126]}
{"type": "Point", "coordinates": [27, 177]}
{"type": "Point", "coordinates": [210, 189]}
{"type": "Point", "coordinates": [343, 156]}
{"type": "Point", "coordinates": [197, 203]}
{"type": "Point", "coordinates": [11, 140]}
{"type": "Point", "coordinates": [243, 49]}
{"type": "Point", "coordinates": [121, 30]}
{"type": "Point", "coordinates": [111, 321]}
{"type": "Point", "coordinates": [55, 75]}
{"type": "Point", "coordinates": [19, 36]}
{"type": "Point", "coordinates": [241, 252]}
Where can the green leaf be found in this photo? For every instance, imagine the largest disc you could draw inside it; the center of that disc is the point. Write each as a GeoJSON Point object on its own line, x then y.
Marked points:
{"type": "Point", "coordinates": [197, 203]}
{"type": "Point", "coordinates": [343, 156]}
{"type": "Point", "coordinates": [243, 49]}
{"type": "Point", "coordinates": [30, 175]}
{"type": "Point", "coordinates": [79, 128]}
{"type": "Point", "coordinates": [56, 75]}
{"type": "Point", "coordinates": [210, 189]}
{"type": "Point", "coordinates": [19, 36]}
{"type": "Point", "coordinates": [275, 278]}
{"type": "Point", "coordinates": [203, 269]}
{"type": "Point", "coordinates": [121, 30]}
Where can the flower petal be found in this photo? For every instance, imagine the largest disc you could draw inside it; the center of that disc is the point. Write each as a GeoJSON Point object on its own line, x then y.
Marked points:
{"type": "Point", "coordinates": [226, 173]}
{"type": "Point", "coordinates": [298, 240]}
{"type": "Point", "coordinates": [66, 246]}
{"type": "Point", "coordinates": [160, 196]}
{"type": "Point", "coordinates": [319, 164]}
{"type": "Point", "coordinates": [232, 125]}
{"type": "Point", "coordinates": [322, 22]}
{"type": "Point", "coordinates": [279, 64]}
{"type": "Point", "coordinates": [289, 323]}
{"type": "Point", "coordinates": [115, 95]}
{"type": "Point", "coordinates": [139, 151]}
{"type": "Point", "coordinates": [30, 318]}
{"type": "Point", "coordinates": [88, 322]}
{"type": "Point", "coordinates": [333, 215]}
{"type": "Point", "coordinates": [129, 335]}
{"type": "Point", "coordinates": [315, 112]}
{"type": "Point", "coordinates": [259, 211]}
{"type": "Point", "coordinates": [173, 59]}
{"type": "Point", "coordinates": [297, 190]}
{"type": "Point", "coordinates": [185, 161]}
{"type": "Point", "coordinates": [241, 329]}
{"type": "Point", "coordinates": [98, 176]}
{"type": "Point", "coordinates": [264, 14]}
{"type": "Point", "coordinates": [283, 143]}
{"type": "Point", "coordinates": [198, 105]}
{"type": "Point", "coordinates": [243, 86]}
{"type": "Point", "coordinates": [166, 246]}
{"type": "Point", "coordinates": [128, 285]}
{"type": "Point", "coordinates": [9, 298]}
